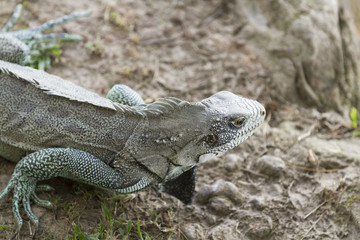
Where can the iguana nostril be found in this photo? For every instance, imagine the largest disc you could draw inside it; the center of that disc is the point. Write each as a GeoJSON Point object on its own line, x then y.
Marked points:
{"type": "Point", "coordinates": [262, 112]}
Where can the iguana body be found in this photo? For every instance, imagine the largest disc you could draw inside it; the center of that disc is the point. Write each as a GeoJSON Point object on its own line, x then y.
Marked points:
{"type": "Point", "coordinates": [59, 129]}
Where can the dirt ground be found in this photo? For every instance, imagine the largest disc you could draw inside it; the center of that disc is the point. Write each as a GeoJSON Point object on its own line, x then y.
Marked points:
{"type": "Point", "coordinates": [294, 179]}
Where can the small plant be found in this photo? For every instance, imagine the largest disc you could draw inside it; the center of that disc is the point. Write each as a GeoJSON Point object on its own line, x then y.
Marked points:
{"type": "Point", "coordinates": [43, 47]}
{"type": "Point", "coordinates": [119, 20]}
{"type": "Point", "coordinates": [117, 224]}
{"type": "Point", "coordinates": [96, 48]}
{"type": "Point", "coordinates": [2, 227]}
{"type": "Point", "coordinates": [147, 237]}
{"type": "Point", "coordinates": [110, 229]}
{"type": "Point", "coordinates": [126, 71]}
{"type": "Point", "coordinates": [355, 118]}
{"type": "Point", "coordinates": [78, 234]}
{"type": "Point", "coordinates": [114, 225]}
{"type": "Point", "coordinates": [41, 57]}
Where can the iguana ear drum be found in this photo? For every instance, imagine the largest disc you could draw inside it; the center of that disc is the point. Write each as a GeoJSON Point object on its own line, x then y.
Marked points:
{"type": "Point", "coordinates": [211, 139]}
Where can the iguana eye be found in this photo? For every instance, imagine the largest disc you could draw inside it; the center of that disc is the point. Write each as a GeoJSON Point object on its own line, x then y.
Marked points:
{"type": "Point", "coordinates": [238, 122]}
{"type": "Point", "coordinates": [211, 139]}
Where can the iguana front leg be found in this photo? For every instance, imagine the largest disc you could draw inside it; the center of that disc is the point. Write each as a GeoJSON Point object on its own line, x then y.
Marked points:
{"type": "Point", "coordinates": [69, 163]}
{"type": "Point", "coordinates": [124, 95]}
{"type": "Point", "coordinates": [182, 187]}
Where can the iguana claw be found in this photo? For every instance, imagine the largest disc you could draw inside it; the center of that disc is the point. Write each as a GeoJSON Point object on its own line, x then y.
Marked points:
{"type": "Point", "coordinates": [24, 189]}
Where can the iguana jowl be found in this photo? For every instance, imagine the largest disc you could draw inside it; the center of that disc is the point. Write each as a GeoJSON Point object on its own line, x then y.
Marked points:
{"type": "Point", "coordinates": [52, 127]}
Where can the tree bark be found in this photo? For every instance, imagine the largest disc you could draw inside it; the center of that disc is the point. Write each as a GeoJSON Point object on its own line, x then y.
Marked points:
{"type": "Point", "coordinates": [311, 49]}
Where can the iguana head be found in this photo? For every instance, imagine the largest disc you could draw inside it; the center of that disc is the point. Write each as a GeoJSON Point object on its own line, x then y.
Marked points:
{"type": "Point", "coordinates": [176, 135]}
{"type": "Point", "coordinates": [215, 125]}
{"type": "Point", "coordinates": [231, 120]}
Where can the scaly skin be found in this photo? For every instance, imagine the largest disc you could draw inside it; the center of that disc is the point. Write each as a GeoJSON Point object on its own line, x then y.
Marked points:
{"type": "Point", "coordinates": [52, 127]}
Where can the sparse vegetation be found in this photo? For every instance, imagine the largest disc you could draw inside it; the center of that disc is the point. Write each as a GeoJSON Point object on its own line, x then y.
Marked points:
{"type": "Point", "coordinates": [41, 57]}
{"type": "Point", "coordinates": [96, 48]}
{"type": "Point", "coordinates": [2, 227]}
{"type": "Point", "coordinates": [119, 20]}
{"type": "Point", "coordinates": [114, 228]}
{"type": "Point", "coordinates": [355, 118]}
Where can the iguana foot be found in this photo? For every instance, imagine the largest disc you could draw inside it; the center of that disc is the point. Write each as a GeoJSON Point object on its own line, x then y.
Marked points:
{"type": "Point", "coordinates": [64, 162]}
{"type": "Point", "coordinates": [31, 39]}
{"type": "Point", "coordinates": [44, 203]}
{"type": "Point", "coordinates": [44, 188]}
{"type": "Point", "coordinates": [24, 189]}
{"type": "Point", "coordinates": [23, 185]}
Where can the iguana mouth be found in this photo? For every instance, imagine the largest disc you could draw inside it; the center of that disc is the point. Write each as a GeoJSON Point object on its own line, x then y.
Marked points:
{"type": "Point", "coordinates": [205, 157]}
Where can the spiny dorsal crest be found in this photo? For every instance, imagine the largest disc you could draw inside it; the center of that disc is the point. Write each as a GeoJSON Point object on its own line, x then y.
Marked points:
{"type": "Point", "coordinates": [160, 107]}
{"type": "Point", "coordinates": [54, 85]}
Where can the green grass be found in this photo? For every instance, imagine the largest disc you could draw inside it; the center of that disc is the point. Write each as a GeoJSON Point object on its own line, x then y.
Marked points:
{"type": "Point", "coordinates": [2, 227]}
{"type": "Point", "coordinates": [120, 227]}
{"type": "Point", "coordinates": [355, 117]}
{"type": "Point", "coordinates": [111, 228]}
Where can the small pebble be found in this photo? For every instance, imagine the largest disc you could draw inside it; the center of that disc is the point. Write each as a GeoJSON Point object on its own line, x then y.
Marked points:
{"type": "Point", "coordinates": [256, 224]}
{"type": "Point", "coordinates": [210, 219]}
{"type": "Point", "coordinates": [232, 161]}
{"type": "Point", "coordinates": [270, 165]}
{"type": "Point", "coordinates": [226, 230]}
{"type": "Point", "coordinates": [211, 163]}
{"type": "Point", "coordinates": [220, 206]}
{"type": "Point", "coordinates": [192, 231]}
{"type": "Point", "coordinates": [220, 188]}
{"type": "Point", "coordinates": [258, 203]}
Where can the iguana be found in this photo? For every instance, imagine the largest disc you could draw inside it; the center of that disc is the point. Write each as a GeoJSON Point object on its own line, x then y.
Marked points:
{"type": "Point", "coordinates": [52, 127]}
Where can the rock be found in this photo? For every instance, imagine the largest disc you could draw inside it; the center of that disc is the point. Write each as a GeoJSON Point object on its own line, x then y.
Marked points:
{"type": "Point", "coordinates": [270, 165]}
{"type": "Point", "coordinates": [255, 225]}
{"type": "Point", "coordinates": [210, 219]}
{"type": "Point", "coordinates": [220, 188]}
{"type": "Point", "coordinates": [244, 225]}
{"type": "Point", "coordinates": [334, 153]}
{"type": "Point", "coordinates": [232, 161]}
{"type": "Point", "coordinates": [226, 230]}
{"type": "Point", "coordinates": [220, 205]}
{"type": "Point", "coordinates": [192, 231]}
{"type": "Point", "coordinates": [258, 203]}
